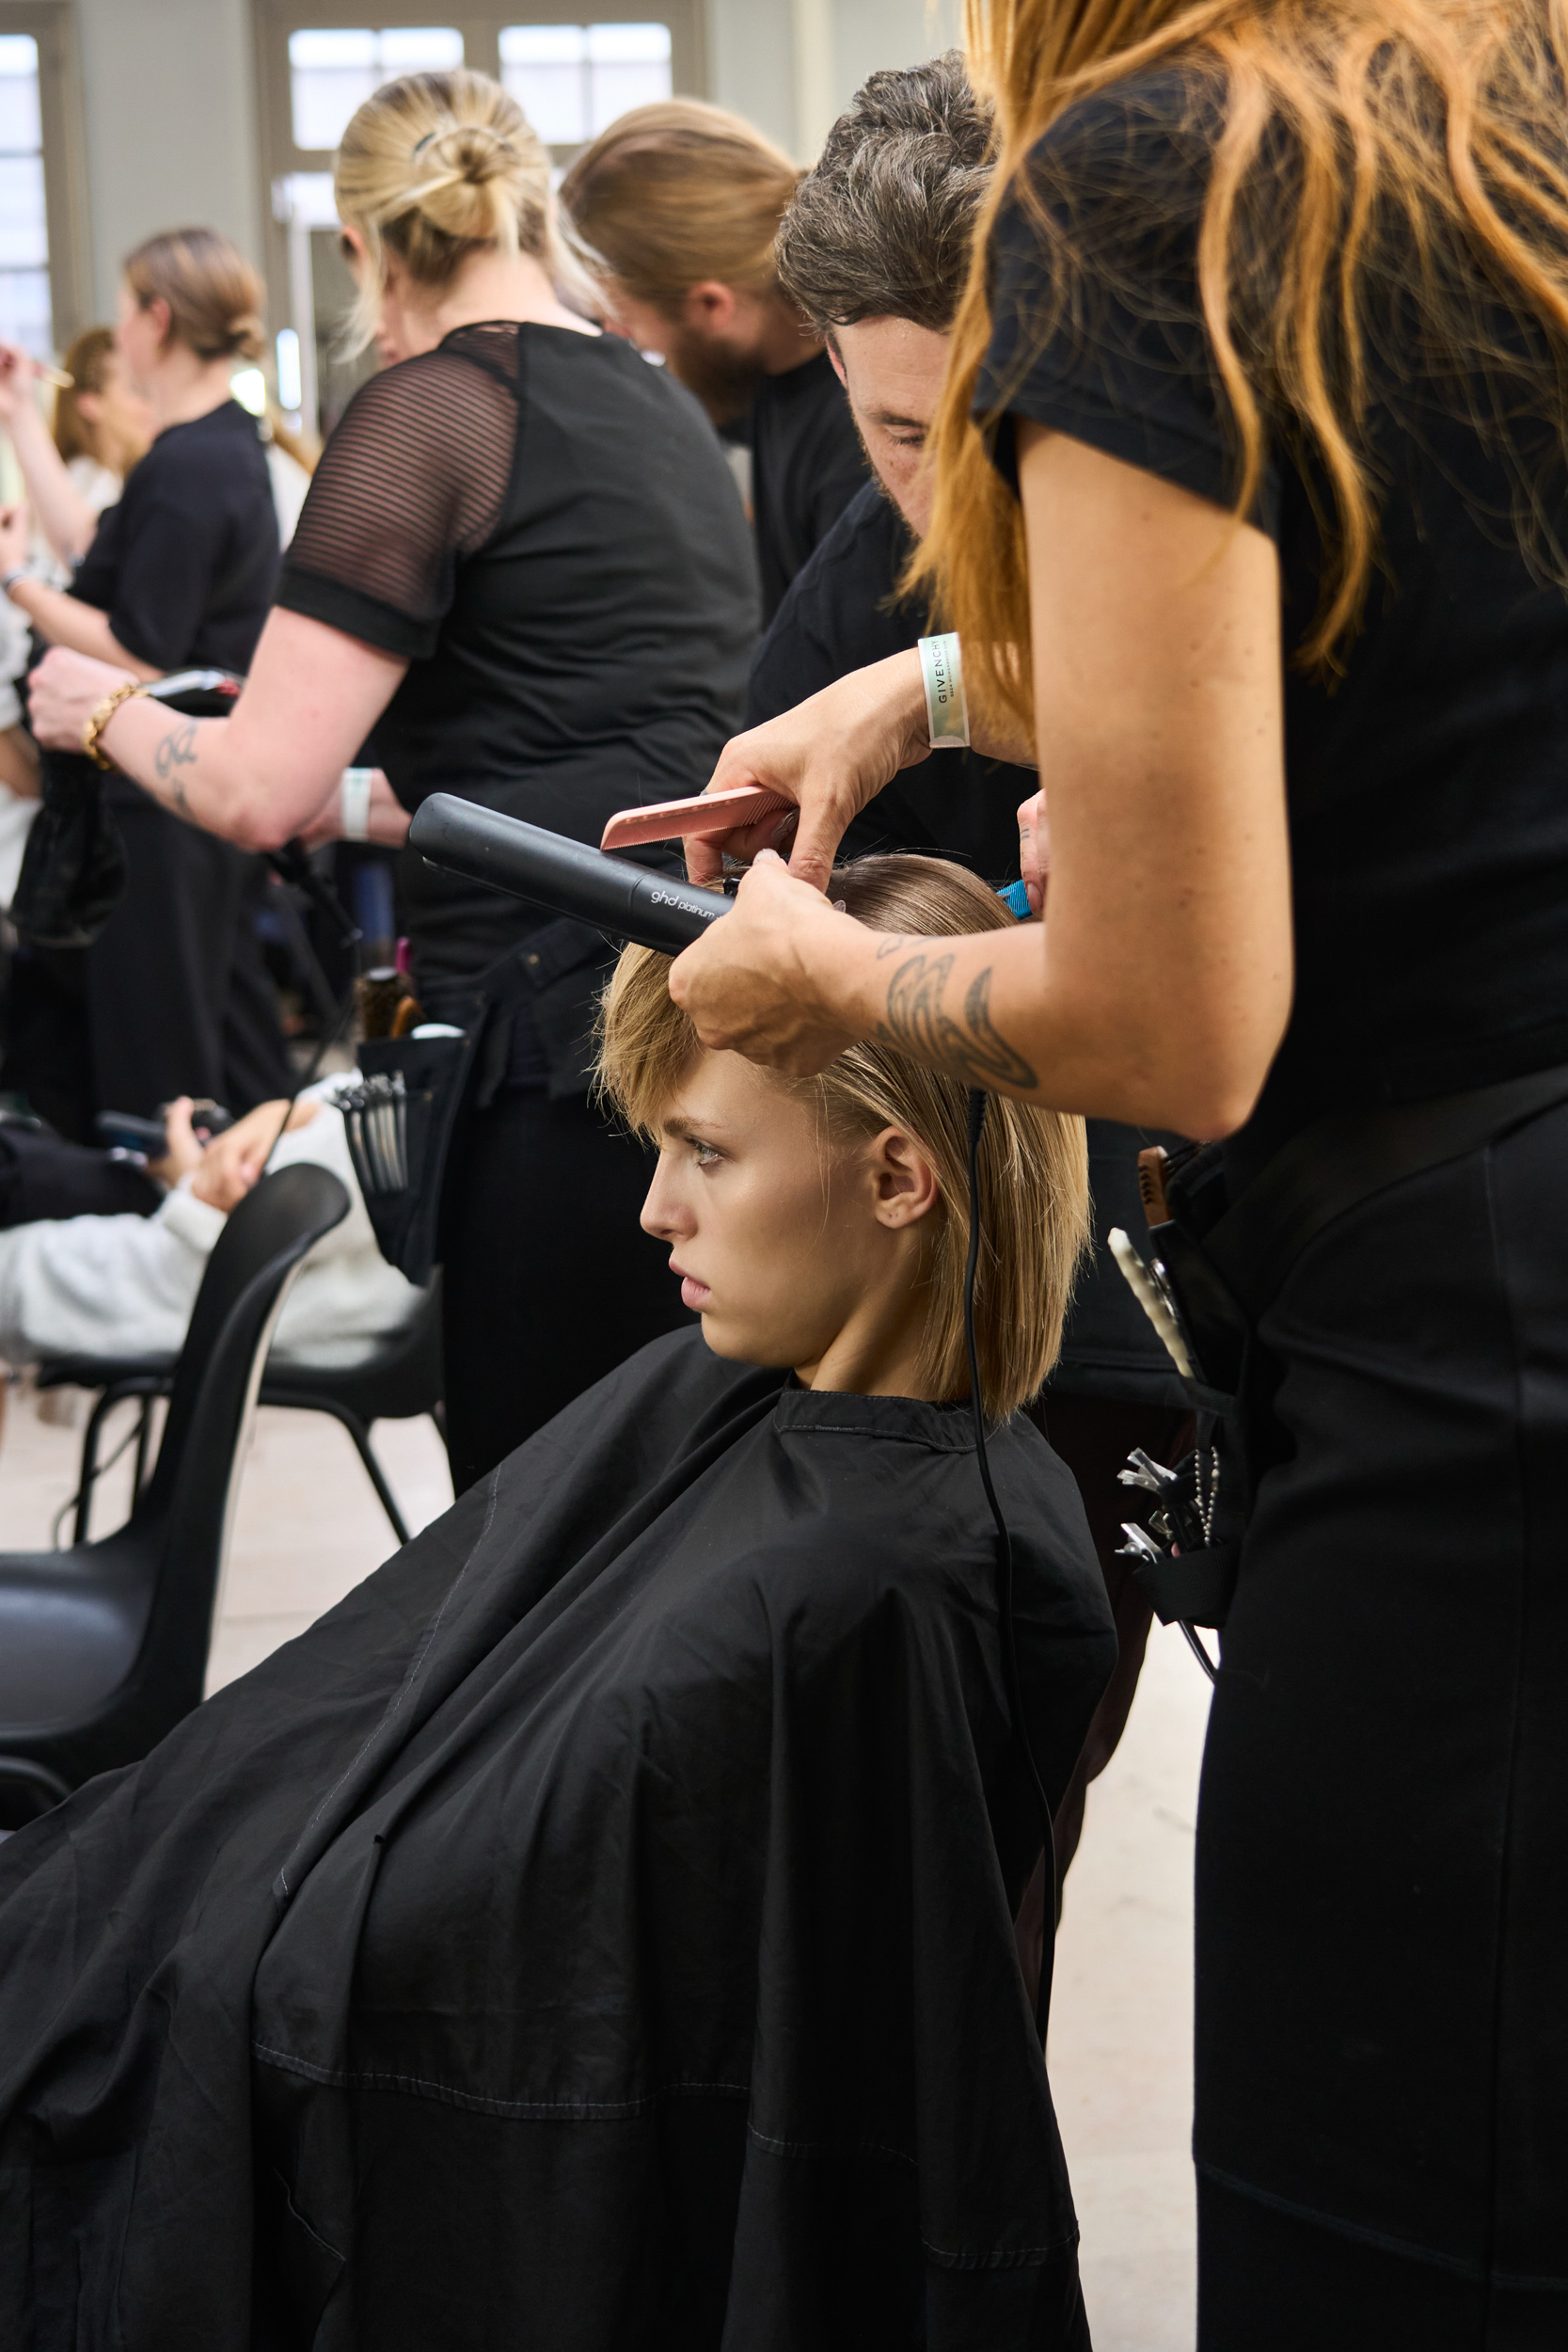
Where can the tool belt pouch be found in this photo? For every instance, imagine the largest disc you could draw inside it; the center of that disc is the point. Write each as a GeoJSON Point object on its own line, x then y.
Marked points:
{"type": "Point", "coordinates": [400, 1119]}
{"type": "Point", "coordinates": [73, 866]}
{"type": "Point", "coordinates": [1200, 1522]}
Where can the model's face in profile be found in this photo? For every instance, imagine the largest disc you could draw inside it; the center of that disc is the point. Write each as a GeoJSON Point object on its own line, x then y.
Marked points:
{"type": "Point", "coordinates": [893, 371]}
{"type": "Point", "coordinates": [794, 1249]}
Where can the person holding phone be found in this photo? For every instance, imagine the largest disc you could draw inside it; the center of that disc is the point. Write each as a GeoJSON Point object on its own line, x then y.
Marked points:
{"type": "Point", "coordinates": [523, 572]}
{"type": "Point", "coordinates": [1250, 517]}
{"type": "Point", "coordinates": [173, 996]}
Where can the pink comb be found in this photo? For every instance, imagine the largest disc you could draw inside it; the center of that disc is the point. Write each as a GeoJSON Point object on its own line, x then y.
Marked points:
{"type": "Point", "coordinates": [706, 813]}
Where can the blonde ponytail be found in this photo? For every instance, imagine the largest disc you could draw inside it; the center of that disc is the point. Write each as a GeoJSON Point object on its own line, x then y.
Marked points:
{"type": "Point", "coordinates": [432, 168]}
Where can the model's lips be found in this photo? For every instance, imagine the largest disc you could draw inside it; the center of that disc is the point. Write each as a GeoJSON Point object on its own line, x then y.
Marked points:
{"type": "Point", "coordinates": [693, 1293]}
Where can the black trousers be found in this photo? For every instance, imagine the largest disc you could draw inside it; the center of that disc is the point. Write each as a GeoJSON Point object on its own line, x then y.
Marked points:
{"type": "Point", "coordinates": [549, 1281]}
{"type": "Point", "coordinates": [173, 997]}
{"type": "Point", "coordinates": [1382, 2032]}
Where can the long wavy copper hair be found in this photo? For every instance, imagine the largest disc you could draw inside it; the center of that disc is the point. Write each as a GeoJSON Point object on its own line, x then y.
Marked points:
{"type": "Point", "coordinates": [1422, 144]}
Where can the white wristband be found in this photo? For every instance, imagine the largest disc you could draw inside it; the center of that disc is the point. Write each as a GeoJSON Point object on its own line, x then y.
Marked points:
{"type": "Point", "coordinates": [354, 803]}
{"type": "Point", "coordinates": [946, 712]}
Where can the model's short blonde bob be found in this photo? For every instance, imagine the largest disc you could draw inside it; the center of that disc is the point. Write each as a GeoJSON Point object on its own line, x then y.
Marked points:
{"type": "Point", "coordinates": [1034, 1170]}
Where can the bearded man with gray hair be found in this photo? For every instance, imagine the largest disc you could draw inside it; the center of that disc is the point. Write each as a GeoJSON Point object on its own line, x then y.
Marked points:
{"type": "Point", "coordinates": [873, 249]}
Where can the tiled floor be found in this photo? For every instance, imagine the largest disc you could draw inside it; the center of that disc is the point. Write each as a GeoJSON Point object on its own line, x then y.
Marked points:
{"type": "Point", "coordinates": [309, 1527]}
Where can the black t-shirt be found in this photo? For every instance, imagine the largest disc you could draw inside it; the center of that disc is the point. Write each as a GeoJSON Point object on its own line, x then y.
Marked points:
{"type": "Point", "coordinates": [837, 617]}
{"type": "Point", "coordinates": [807, 464]}
{"type": "Point", "coordinates": [186, 564]}
{"type": "Point", "coordinates": [1428, 790]}
{"type": "Point", "coordinates": [544, 527]}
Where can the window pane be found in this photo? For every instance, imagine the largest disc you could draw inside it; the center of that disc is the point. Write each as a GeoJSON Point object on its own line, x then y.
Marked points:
{"type": "Point", "coordinates": [543, 44]}
{"type": "Point", "coordinates": [23, 239]}
{"type": "Point", "coordinates": [553, 99]}
{"type": "Point", "coordinates": [568, 102]}
{"type": "Point", "coordinates": [354, 46]}
{"type": "Point", "coordinates": [24, 310]}
{"type": "Point", "coordinates": [617, 88]}
{"type": "Point", "coordinates": [19, 53]}
{"type": "Point", "coordinates": [629, 44]}
{"type": "Point", "coordinates": [20, 130]}
{"type": "Point", "coordinates": [332, 73]}
{"type": "Point", "coordinates": [420, 49]}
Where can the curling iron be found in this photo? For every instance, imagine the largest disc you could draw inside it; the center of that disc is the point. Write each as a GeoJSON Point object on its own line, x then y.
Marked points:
{"type": "Point", "coordinates": [655, 910]}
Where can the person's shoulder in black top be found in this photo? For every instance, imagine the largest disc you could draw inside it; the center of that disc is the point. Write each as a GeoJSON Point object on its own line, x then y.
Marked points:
{"type": "Point", "coordinates": [807, 464]}
{"type": "Point", "coordinates": [1429, 829]}
{"type": "Point", "coordinates": [185, 564]}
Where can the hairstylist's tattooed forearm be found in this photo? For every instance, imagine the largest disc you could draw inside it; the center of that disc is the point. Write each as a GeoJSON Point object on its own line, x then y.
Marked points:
{"type": "Point", "coordinates": [919, 1023]}
{"type": "Point", "coordinates": [177, 751]}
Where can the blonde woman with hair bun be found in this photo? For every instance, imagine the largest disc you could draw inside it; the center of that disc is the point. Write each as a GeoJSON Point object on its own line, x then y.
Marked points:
{"type": "Point", "coordinates": [173, 996]}
{"type": "Point", "coordinates": [523, 570]}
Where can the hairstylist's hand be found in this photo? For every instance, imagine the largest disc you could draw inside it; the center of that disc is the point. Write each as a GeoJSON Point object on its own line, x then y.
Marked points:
{"type": "Point", "coordinates": [831, 755]}
{"type": "Point", "coordinates": [747, 982]}
{"type": "Point", "coordinates": [14, 535]}
{"type": "Point", "coordinates": [1034, 849]}
{"type": "Point", "coordinates": [182, 1155]}
{"type": "Point", "coordinates": [232, 1163]}
{"type": "Point", "coordinates": [387, 819]}
{"type": "Point", "coordinates": [66, 690]}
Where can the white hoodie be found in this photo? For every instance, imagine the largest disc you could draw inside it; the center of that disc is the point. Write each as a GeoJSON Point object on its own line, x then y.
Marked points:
{"type": "Point", "coordinates": [122, 1286]}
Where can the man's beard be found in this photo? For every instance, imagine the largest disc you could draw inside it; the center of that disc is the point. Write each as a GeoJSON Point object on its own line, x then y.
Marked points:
{"type": "Point", "coordinates": [722, 381]}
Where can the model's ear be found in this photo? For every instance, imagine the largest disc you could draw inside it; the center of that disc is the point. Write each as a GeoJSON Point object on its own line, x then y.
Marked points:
{"type": "Point", "coordinates": [905, 1187]}
{"type": "Point", "coordinates": [710, 306]}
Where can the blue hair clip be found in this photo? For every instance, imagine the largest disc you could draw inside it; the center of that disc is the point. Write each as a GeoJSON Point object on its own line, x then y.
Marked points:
{"type": "Point", "coordinates": [1016, 900]}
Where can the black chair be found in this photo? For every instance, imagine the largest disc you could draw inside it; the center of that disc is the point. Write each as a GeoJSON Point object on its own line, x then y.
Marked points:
{"type": "Point", "coordinates": [103, 1647]}
{"type": "Point", "coordinates": [400, 1381]}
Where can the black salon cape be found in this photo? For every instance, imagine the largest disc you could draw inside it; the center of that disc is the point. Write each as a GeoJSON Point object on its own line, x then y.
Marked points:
{"type": "Point", "coordinates": [589, 1934]}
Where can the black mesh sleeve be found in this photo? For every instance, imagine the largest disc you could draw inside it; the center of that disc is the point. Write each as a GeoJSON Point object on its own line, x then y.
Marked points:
{"type": "Point", "coordinates": [414, 475]}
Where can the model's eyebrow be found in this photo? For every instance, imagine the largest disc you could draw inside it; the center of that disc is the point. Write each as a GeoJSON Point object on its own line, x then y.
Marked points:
{"type": "Point", "coordinates": [689, 1130]}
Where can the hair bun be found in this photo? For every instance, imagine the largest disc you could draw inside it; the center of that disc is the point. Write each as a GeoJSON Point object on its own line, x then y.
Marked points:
{"type": "Point", "coordinates": [462, 166]}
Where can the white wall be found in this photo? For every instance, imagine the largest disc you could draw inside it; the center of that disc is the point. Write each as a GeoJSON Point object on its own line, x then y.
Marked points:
{"type": "Point", "coordinates": [171, 118]}
{"type": "Point", "coordinates": [792, 65]}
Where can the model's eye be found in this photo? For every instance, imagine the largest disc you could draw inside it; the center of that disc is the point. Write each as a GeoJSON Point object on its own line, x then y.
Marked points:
{"type": "Point", "coordinates": [909, 440]}
{"type": "Point", "coordinates": [707, 1154]}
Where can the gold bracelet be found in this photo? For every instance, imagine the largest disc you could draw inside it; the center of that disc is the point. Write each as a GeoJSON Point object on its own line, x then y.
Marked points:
{"type": "Point", "coordinates": [101, 716]}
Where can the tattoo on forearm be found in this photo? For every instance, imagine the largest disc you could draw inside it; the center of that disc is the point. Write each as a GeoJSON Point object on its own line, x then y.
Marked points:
{"type": "Point", "coordinates": [918, 1022]}
{"type": "Point", "coordinates": [177, 751]}
{"type": "Point", "coordinates": [891, 946]}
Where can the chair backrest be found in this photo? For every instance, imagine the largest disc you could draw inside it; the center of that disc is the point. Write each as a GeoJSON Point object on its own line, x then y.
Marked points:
{"type": "Point", "coordinates": [188, 1499]}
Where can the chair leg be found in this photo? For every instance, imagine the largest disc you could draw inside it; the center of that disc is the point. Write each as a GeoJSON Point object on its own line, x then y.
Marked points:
{"type": "Point", "coordinates": [361, 1437]}
{"type": "Point", "coordinates": [103, 1406]}
{"type": "Point", "coordinates": [144, 1433]}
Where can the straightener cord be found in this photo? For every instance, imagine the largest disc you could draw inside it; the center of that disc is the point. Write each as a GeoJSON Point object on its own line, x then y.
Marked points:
{"type": "Point", "coordinates": [1005, 1628]}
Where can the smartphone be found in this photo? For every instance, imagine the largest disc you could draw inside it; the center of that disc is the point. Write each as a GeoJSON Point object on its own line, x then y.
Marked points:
{"type": "Point", "coordinates": [705, 813]}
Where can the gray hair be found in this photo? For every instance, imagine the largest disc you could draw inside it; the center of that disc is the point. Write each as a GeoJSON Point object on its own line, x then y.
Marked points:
{"type": "Point", "coordinates": [881, 226]}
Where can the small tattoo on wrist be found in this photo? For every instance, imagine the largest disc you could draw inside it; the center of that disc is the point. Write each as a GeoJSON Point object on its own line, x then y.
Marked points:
{"type": "Point", "coordinates": [177, 751]}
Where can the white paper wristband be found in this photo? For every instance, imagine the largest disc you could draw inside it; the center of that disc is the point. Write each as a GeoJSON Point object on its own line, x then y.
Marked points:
{"type": "Point", "coordinates": [354, 803]}
{"type": "Point", "coordinates": [946, 712]}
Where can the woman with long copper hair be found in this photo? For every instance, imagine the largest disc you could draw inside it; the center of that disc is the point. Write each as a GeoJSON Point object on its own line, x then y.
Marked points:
{"type": "Point", "coordinates": [1250, 516]}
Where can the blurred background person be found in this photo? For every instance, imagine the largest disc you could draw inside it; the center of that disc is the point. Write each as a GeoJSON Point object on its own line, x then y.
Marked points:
{"type": "Point", "coordinates": [673, 212]}
{"type": "Point", "coordinates": [173, 996]}
{"type": "Point", "coordinates": [523, 573]}
{"type": "Point", "coordinates": [72, 471]}
{"type": "Point", "coordinates": [874, 250]}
